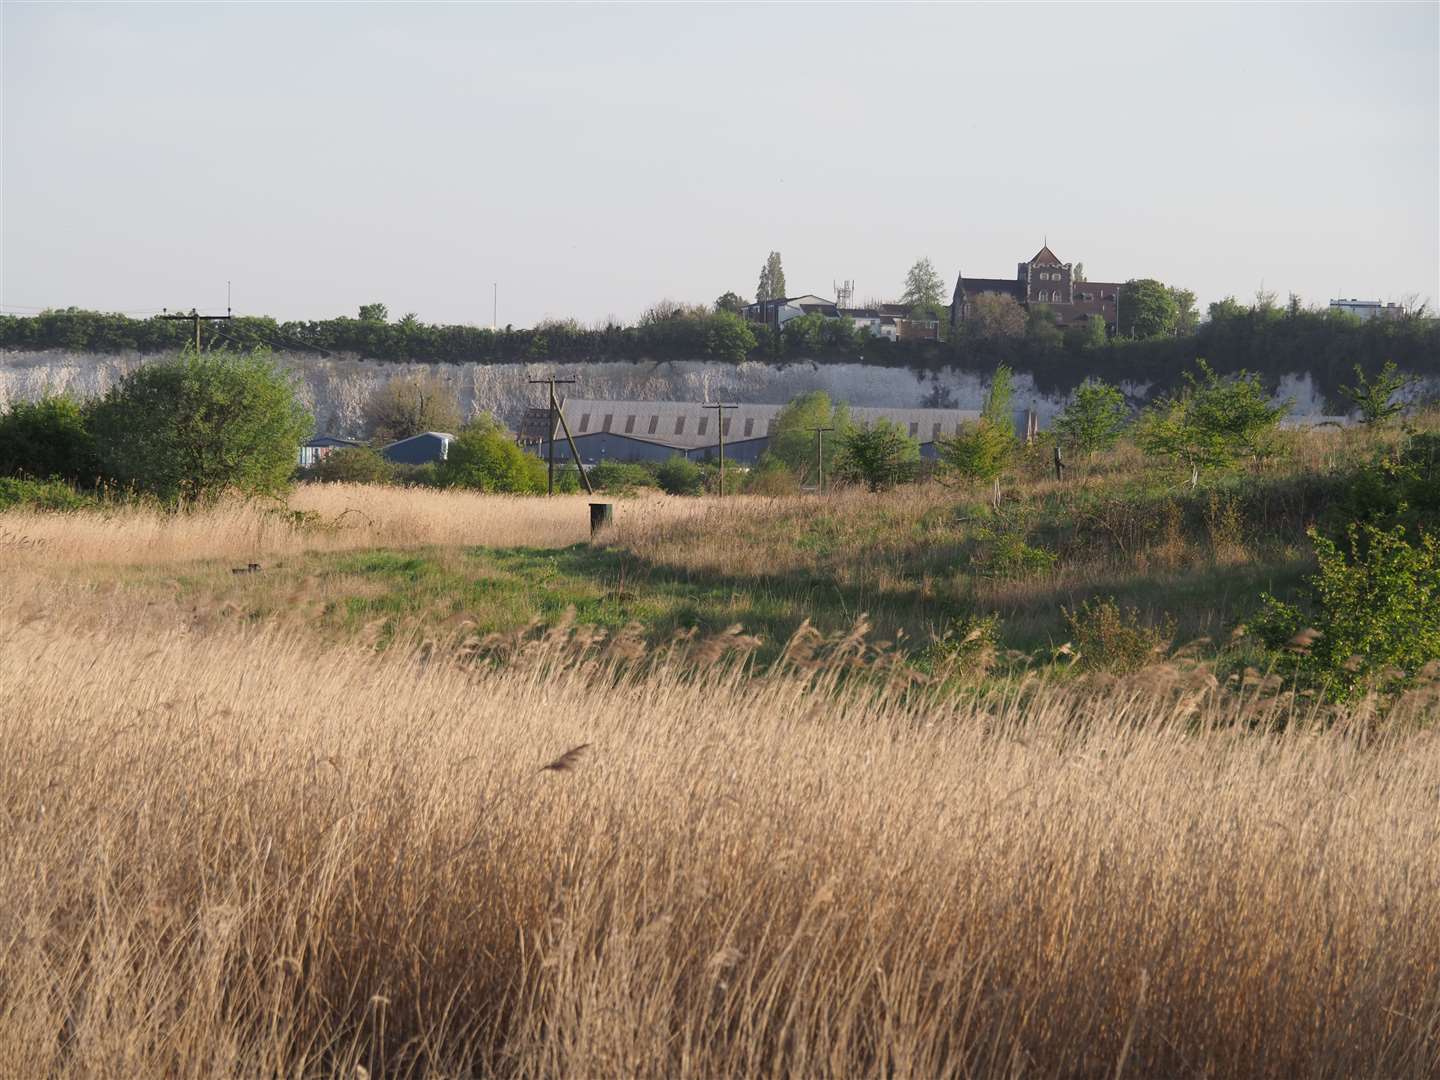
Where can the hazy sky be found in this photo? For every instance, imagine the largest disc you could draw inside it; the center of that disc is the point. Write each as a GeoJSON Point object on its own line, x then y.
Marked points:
{"type": "Point", "coordinates": [595, 159]}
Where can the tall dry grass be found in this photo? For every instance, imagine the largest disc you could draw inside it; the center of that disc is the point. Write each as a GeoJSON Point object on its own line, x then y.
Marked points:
{"type": "Point", "coordinates": [339, 517]}
{"type": "Point", "coordinates": [246, 857]}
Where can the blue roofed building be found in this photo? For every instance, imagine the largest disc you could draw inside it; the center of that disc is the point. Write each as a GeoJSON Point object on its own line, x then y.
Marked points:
{"type": "Point", "coordinates": [422, 449]}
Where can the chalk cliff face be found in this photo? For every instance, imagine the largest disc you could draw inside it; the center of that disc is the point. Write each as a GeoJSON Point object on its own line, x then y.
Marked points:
{"type": "Point", "coordinates": [336, 389]}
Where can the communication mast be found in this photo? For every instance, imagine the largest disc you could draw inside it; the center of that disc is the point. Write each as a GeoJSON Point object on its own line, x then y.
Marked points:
{"type": "Point", "coordinates": [844, 293]}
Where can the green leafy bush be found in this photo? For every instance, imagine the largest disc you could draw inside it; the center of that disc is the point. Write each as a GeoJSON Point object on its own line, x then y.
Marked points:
{"type": "Point", "coordinates": [978, 451]}
{"type": "Point", "coordinates": [619, 477]}
{"type": "Point", "coordinates": [1106, 637]}
{"type": "Point", "coordinates": [966, 646]}
{"type": "Point", "coordinates": [47, 438]}
{"type": "Point", "coordinates": [1401, 487]}
{"type": "Point", "coordinates": [352, 465]}
{"type": "Point", "coordinates": [1012, 557]}
{"type": "Point", "coordinates": [193, 428]}
{"type": "Point", "coordinates": [1369, 619]}
{"type": "Point", "coordinates": [484, 458]}
{"type": "Point", "coordinates": [20, 493]}
{"type": "Point", "coordinates": [680, 476]}
{"type": "Point", "coordinates": [878, 456]}
{"type": "Point", "coordinates": [1094, 418]}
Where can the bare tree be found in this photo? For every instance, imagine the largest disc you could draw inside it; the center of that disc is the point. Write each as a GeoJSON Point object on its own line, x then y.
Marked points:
{"type": "Point", "coordinates": [411, 404]}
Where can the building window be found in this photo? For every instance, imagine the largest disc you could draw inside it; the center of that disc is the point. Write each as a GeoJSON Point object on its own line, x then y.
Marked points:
{"type": "Point", "coordinates": [935, 434]}
{"type": "Point", "coordinates": [704, 423]}
{"type": "Point", "coordinates": [609, 419]}
{"type": "Point", "coordinates": [679, 425]}
{"type": "Point", "coordinates": [914, 428]}
{"type": "Point", "coordinates": [630, 424]}
{"type": "Point", "coordinates": [749, 427]}
{"type": "Point", "coordinates": [654, 423]}
{"type": "Point", "coordinates": [725, 427]}
{"type": "Point", "coordinates": [584, 421]}
{"type": "Point", "coordinates": [770, 426]}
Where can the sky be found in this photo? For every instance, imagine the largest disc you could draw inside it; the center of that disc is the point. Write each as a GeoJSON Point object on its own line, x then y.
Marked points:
{"type": "Point", "coordinates": [588, 161]}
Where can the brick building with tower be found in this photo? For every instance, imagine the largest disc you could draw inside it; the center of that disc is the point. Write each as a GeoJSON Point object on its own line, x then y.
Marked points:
{"type": "Point", "coordinates": [1044, 280]}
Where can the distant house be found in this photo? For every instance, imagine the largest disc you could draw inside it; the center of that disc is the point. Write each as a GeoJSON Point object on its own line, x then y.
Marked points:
{"type": "Point", "coordinates": [420, 449]}
{"type": "Point", "coordinates": [320, 447]}
{"type": "Point", "coordinates": [1365, 310]}
{"type": "Point", "coordinates": [1043, 280]}
{"type": "Point", "coordinates": [781, 310]}
{"type": "Point", "coordinates": [893, 322]}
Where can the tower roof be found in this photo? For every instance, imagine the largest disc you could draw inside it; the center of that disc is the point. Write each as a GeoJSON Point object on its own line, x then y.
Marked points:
{"type": "Point", "coordinates": [1045, 257]}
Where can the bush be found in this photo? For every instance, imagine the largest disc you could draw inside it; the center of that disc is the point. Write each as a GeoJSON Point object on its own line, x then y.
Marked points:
{"type": "Point", "coordinates": [1107, 638]}
{"type": "Point", "coordinates": [619, 477]}
{"type": "Point", "coordinates": [1212, 423]}
{"type": "Point", "coordinates": [878, 456]}
{"type": "Point", "coordinates": [1370, 618]}
{"type": "Point", "coordinates": [47, 438]}
{"type": "Point", "coordinates": [1401, 487]}
{"type": "Point", "coordinates": [200, 425]}
{"type": "Point", "coordinates": [1094, 418]}
{"type": "Point", "coordinates": [483, 458]}
{"type": "Point", "coordinates": [352, 465]}
{"type": "Point", "coordinates": [966, 647]}
{"type": "Point", "coordinates": [680, 476]}
{"type": "Point", "coordinates": [772, 478]}
{"type": "Point", "coordinates": [978, 451]}
{"type": "Point", "coordinates": [16, 492]}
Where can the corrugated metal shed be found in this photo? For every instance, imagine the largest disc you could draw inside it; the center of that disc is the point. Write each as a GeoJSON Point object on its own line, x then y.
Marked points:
{"type": "Point", "coordinates": [691, 426]}
{"type": "Point", "coordinates": [420, 449]}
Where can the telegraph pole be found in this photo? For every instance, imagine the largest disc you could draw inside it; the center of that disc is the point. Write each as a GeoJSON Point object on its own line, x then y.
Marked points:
{"type": "Point", "coordinates": [720, 421]}
{"type": "Point", "coordinates": [557, 414]}
{"type": "Point", "coordinates": [820, 453]}
{"type": "Point", "coordinates": [196, 318]}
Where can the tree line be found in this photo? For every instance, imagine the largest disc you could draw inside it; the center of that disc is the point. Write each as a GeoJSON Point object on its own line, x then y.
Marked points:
{"type": "Point", "coordinates": [1263, 338]}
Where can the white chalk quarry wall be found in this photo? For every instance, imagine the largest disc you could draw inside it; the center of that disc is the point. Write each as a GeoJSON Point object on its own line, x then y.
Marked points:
{"type": "Point", "coordinates": [336, 389]}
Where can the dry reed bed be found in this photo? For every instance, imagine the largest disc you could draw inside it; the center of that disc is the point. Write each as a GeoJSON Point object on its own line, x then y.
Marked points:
{"type": "Point", "coordinates": [347, 517]}
{"type": "Point", "coordinates": [252, 858]}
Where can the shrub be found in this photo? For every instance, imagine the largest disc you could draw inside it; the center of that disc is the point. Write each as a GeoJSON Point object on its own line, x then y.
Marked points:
{"type": "Point", "coordinates": [17, 492]}
{"type": "Point", "coordinates": [966, 646]}
{"type": "Point", "coordinates": [1369, 619]}
{"type": "Point", "coordinates": [200, 425]}
{"type": "Point", "coordinates": [1094, 418]}
{"type": "Point", "coordinates": [879, 456]}
{"type": "Point", "coordinates": [771, 478]}
{"type": "Point", "coordinates": [1212, 423]}
{"type": "Point", "coordinates": [1107, 638]}
{"type": "Point", "coordinates": [484, 458]}
{"type": "Point", "coordinates": [619, 477]}
{"type": "Point", "coordinates": [1011, 557]}
{"type": "Point", "coordinates": [352, 465]}
{"type": "Point", "coordinates": [1373, 398]}
{"type": "Point", "coordinates": [1401, 487]}
{"type": "Point", "coordinates": [680, 476]}
{"type": "Point", "coordinates": [47, 438]}
{"type": "Point", "coordinates": [978, 451]}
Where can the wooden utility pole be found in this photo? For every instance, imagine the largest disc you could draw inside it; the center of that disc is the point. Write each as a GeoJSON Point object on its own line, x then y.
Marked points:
{"type": "Point", "coordinates": [558, 414]}
{"type": "Point", "coordinates": [820, 453]}
{"type": "Point", "coordinates": [196, 318]}
{"type": "Point", "coordinates": [720, 422]}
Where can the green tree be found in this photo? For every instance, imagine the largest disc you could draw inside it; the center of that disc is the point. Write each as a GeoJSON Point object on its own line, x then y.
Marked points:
{"type": "Point", "coordinates": [1375, 399]}
{"type": "Point", "coordinates": [410, 404]}
{"type": "Point", "coordinates": [47, 438]}
{"type": "Point", "coordinates": [1187, 318]}
{"type": "Point", "coordinates": [999, 407]}
{"type": "Point", "coordinates": [1094, 418]}
{"type": "Point", "coordinates": [793, 440]}
{"type": "Point", "coordinates": [804, 335]}
{"type": "Point", "coordinates": [352, 465]}
{"type": "Point", "coordinates": [731, 302]}
{"type": "Point", "coordinates": [198, 426]}
{"type": "Point", "coordinates": [995, 316]}
{"type": "Point", "coordinates": [374, 313]}
{"type": "Point", "coordinates": [772, 279]}
{"type": "Point", "coordinates": [728, 337]}
{"type": "Point", "coordinates": [878, 456]}
{"type": "Point", "coordinates": [1147, 309]}
{"type": "Point", "coordinates": [484, 458]}
{"type": "Point", "coordinates": [978, 451]}
{"type": "Point", "coordinates": [924, 290]}
{"type": "Point", "coordinates": [1078, 276]}
{"type": "Point", "coordinates": [1226, 309]}
{"type": "Point", "coordinates": [1212, 422]}
{"type": "Point", "coordinates": [1040, 327]}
